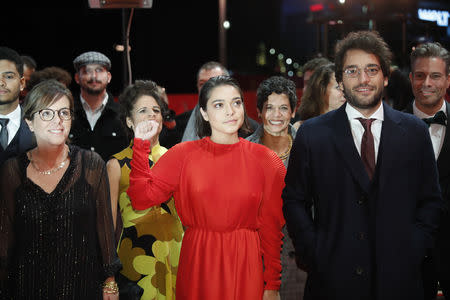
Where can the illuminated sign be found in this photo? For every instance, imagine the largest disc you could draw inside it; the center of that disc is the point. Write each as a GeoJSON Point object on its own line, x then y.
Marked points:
{"type": "Point", "coordinates": [433, 15]}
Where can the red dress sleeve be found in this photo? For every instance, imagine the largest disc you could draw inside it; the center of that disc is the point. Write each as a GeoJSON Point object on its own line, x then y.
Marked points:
{"type": "Point", "coordinates": [272, 221]}
{"type": "Point", "coordinates": [150, 187]}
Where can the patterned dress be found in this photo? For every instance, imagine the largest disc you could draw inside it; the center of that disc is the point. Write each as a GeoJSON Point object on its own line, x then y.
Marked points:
{"type": "Point", "coordinates": [149, 247]}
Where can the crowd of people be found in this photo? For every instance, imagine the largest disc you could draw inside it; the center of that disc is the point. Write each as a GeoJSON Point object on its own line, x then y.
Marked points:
{"type": "Point", "coordinates": [341, 195]}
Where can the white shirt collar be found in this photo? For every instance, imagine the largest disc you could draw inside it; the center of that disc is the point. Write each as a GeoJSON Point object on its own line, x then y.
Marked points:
{"type": "Point", "coordinates": [14, 117]}
{"type": "Point", "coordinates": [420, 114]}
{"type": "Point", "coordinates": [353, 113]}
{"type": "Point", "coordinates": [87, 107]}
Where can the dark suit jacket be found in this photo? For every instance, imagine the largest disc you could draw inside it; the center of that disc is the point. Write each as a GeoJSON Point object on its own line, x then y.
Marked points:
{"type": "Point", "coordinates": [22, 142]}
{"type": "Point", "coordinates": [442, 250]}
{"type": "Point", "coordinates": [367, 238]}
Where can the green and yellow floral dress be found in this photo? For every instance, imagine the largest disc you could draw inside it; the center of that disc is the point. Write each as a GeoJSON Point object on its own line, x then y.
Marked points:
{"type": "Point", "coordinates": [149, 247]}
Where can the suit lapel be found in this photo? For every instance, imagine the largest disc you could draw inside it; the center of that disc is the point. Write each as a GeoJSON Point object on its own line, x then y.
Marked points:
{"type": "Point", "coordinates": [391, 130]}
{"type": "Point", "coordinates": [443, 161]}
{"type": "Point", "coordinates": [347, 149]}
{"type": "Point", "coordinates": [25, 138]}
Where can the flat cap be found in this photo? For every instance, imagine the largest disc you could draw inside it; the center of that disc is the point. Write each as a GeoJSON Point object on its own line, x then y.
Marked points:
{"type": "Point", "coordinates": [91, 57]}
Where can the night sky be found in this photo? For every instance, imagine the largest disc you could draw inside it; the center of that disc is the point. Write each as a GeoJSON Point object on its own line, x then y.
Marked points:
{"type": "Point", "coordinates": [172, 39]}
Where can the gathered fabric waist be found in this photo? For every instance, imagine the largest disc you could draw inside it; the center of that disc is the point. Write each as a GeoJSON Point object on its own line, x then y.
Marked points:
{"type": "Point", "coordinates": [204, 229]}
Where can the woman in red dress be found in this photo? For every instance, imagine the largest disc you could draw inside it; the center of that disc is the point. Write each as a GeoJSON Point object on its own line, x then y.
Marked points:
{"type": "Point", "coordinates": [227, 193]}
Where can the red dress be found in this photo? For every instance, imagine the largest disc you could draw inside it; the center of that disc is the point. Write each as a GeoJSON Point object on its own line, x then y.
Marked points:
{"type": "Point", "coordinates": [229, 198]}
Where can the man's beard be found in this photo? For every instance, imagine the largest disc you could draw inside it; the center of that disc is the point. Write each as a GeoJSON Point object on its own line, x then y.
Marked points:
{"type": "Point", "coordinates": [13, 99]}
{"type": "Point", "coordinates": [92, 91]}
{"type": "Point", "coordinates": [355, 102]}
{"type": "Point", "coordinates": [8, 101]}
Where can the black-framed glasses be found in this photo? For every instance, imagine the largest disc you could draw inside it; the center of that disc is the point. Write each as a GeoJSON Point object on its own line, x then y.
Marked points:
{"type": "Point", "coordinates": [48, 114]}
{"type": "Point", "coordinates": [353, 72]}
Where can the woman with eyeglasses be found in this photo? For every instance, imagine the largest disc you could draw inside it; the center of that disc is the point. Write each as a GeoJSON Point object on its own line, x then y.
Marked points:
{"type": "Point", "coordinates": [56, 229]}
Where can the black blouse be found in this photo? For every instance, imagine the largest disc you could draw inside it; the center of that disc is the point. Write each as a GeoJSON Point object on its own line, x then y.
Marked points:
{"type": "Point", "coordinates": [58, 245]}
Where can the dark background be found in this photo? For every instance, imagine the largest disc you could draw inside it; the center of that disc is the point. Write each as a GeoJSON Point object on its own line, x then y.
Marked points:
{"type": "Point", "coordinates": [173, 38]}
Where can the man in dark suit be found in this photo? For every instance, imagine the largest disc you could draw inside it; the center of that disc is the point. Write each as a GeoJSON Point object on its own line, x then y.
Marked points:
{"type": "Point", "coordinates": [15, 136]}
{"type": "Point", "coordinates": [362, 198]}
{"type": "Point", "coordinates": [430, 78]}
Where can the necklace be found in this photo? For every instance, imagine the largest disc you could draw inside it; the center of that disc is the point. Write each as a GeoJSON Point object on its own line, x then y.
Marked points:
{"type": "Point", "coordinates": [284, 155]}
{"type": "Point", "coordinates": [51, 171]}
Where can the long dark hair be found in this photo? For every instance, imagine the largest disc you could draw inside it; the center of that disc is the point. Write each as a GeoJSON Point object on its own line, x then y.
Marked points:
{"type": "Point", "coordinates": [313, 101]}
{"type": "Point", "coordinates": [203, 127]}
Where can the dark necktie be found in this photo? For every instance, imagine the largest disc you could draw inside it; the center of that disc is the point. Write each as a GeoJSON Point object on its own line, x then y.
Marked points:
{"type": "Point", "coordinates": [4, 133]}
{"type": "Point", "coordinates": [439, 118]}
{"type": "Point", "coordinates": [367, 147]}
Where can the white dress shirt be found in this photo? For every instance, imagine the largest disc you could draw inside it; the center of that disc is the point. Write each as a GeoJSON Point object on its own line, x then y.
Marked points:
{"type": "Point", "coordinates": [358, 129]}
{"type": "Point", "coordinates": [437, 131]}
{"type": "Point", "coordinates": [93, 115]}
{"type": "Point", "coordinates": [15, 117]}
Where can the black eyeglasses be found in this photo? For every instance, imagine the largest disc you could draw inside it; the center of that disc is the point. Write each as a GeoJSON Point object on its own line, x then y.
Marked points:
{"type": "Point", "coordinates": [48, 114]}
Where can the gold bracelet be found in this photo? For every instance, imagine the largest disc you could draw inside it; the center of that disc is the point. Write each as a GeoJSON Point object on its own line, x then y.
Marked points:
{"type": "Point", "coordinates": [110, 287]}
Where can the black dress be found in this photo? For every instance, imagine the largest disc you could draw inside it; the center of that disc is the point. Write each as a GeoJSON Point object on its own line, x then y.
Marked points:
{"type": "Point", "coordinates": [58, 245]}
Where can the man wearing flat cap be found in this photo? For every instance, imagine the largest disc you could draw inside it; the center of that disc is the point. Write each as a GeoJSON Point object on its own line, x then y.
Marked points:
{"type": "Point", "coordinates": [96, 124]}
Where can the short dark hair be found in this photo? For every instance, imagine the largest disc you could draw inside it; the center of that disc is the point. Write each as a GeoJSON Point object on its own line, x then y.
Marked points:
{"type": "Point", "coordinates": [278, 85]}
{"type": "Point", "coordinates": [203, 127]}
{"type": "Point", "coordinates": [314, 63]}
{"type": "Point", "coordinates": [56, 73]}
{"type": "Point", "coordinates": [11, 55]}
{"type": "Point", "coordinates": [313, 102]}
{"type": "Point", "coordinates": [431, 50]}
{"type": "Point", "coordinates": [43, 95]}
{"type": "Point", "coordinates": [367, 41]}
{"type": "Point", "coordinates": [212, 65]}
{"type": "Point", "coordinates": [29, 61]}
{"type": "Point", "coordinates": [129, 96]}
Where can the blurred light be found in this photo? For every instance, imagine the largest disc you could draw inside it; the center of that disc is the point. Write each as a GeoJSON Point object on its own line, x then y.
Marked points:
{"type": "Point", "coordinates": [331, 22]}
{"type": "Point", "coordinates": [121, 48]}
{"type": "Point", "coordinates": [440, 16]}
{"type": "Point", "coordinates": [364, 9]}
{"type": "Point", "coordinates": [316, 7]}
{"type": "Point", "coordinates": [296, 65]}
{"type": "Point", "coordinates": [280, 56]}
{"type": "Point", "coordinates": [289, 61]}
{"type": "Point", "coordinates": [341, 1]}
{"type": "Point", "coordinates": [226, 24]}
{"type": "Point", "coordinates": [290, 73]}
{"type": "Point", "coordinates": [340, 22]}
{"type": "Point", "coordinates": [272, 51]}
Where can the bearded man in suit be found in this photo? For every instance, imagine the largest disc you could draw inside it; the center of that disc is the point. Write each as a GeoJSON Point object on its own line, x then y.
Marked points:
{"type": "Point", "coordinates": [362, 200]}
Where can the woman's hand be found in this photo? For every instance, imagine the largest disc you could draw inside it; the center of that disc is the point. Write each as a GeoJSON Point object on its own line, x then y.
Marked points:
{"type": "Point", "coordinates": [110, 296]}
{"type": "Point", "coordinates": [271, 295]}
{"type": "Point", "coordinates": [110, 289]}
{"type": "Point", "coordinates": [146, 130]}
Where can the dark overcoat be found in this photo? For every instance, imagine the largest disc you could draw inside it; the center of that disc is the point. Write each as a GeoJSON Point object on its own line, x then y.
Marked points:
{"type": "Point", "coordinates": [360, 238]}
